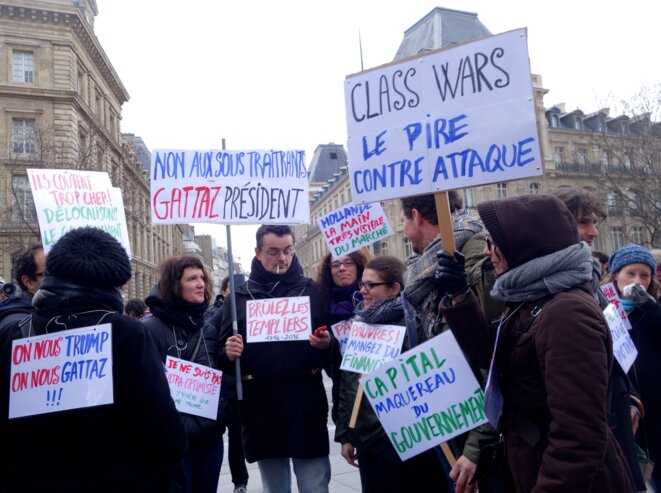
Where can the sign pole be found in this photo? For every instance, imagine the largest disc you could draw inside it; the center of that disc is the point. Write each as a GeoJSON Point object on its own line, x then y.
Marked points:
{"type": "Point", "coordinates": [235, 326]}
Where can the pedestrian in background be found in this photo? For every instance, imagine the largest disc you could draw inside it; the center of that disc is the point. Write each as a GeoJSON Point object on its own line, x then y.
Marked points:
{"type": "Point", "coordinates": [632, 271]}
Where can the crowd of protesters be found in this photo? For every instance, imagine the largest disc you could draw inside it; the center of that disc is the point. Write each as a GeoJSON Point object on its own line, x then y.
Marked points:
{"type": "Point", "coordinates": [520, 291]}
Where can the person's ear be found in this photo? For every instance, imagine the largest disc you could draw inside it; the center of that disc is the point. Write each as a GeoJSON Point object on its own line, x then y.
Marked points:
{"type": "Point", "coordinates": [397, 288]}
{"type": "Point", "coordinates": [417, 217]}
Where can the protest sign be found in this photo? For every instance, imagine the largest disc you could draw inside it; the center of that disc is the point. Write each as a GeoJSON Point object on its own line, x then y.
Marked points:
{"type": "Point", "coordinates": [370, 345]}
{"type": "Point", "coordinates": [341, 331]}
{"type": "Point", "coordinates": [426, 396]}
{"type": "Point", "coordinates": [624, 350]}
{"type": "Point", "coordinates": [353, 227]}
{"type": "Point", "coordinates": [195, 389]}
{"type": "Point", "coordinates": [278, 319]}
{"type": "Point", "coordinates": [611, 295]}
{"type": "Point", "coordinates": [67, 199]}
{"type": "Point", "coordinates": [455, 118]}
{"type": "Point", "coordinates": [229, 187]}
{"type": "Point", "coordinates": [64, 370]}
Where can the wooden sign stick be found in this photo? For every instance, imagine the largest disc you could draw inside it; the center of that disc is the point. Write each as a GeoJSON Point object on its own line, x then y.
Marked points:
{"type": "Point", "coordinates": [447, 239]}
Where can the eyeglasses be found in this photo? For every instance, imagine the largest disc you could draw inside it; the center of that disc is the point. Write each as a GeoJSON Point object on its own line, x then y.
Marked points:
{"type": "Point", "coordinates": [489, 243]}
{"type": "Point", "coordinates": [339, 263]}
{"type": "Point", "coordinates": [369, 285]}
{"type": "Point", "coordinates": [276, 252]}
{"type": "Point", "coordinates": [37, 274]}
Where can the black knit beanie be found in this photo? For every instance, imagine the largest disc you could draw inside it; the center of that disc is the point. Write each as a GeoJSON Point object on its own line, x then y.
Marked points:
{"type": "Point", "coordinates": [528, 226]}
{"type": "Point", "coordinates": [91, 257]}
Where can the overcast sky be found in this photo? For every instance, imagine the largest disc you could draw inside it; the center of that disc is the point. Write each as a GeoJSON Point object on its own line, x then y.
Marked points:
{"type": "Point", "coordinates": [268, 74]}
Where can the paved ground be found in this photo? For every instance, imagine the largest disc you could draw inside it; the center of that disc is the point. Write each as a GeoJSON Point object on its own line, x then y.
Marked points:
{"type": "Point", "coordinates": [344, 479]}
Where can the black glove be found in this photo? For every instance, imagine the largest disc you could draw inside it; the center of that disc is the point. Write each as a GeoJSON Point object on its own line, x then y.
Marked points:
{"type": "Point", "coordinates": [640, 295]}
{"type": "Point", "coordinates": [451, 273]}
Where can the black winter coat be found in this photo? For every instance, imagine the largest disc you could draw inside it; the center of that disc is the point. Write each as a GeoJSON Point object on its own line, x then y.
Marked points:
{"type": "Point", "coordinates": [646, 376]}
{"type": "Point", "coordinates": [181, 341]}
{"type": "Point", "coordinates": [284, 408]}
{"type": "Point", "coordinates": [131, 445]}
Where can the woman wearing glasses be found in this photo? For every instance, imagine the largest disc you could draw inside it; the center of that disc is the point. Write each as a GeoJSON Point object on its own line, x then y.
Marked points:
{"type": "Point", "coordinates": [367, 446]}
{"type": "Point", "coordinates": [178, 303]}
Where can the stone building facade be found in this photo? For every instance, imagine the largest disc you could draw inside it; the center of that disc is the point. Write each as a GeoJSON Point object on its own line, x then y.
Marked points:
{"type": "Point", "coordinates": [61, 103]}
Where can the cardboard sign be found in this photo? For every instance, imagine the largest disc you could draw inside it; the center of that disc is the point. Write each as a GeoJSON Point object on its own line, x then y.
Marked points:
{"type": "Point", "coordinates": [426, 396]}
{"type": "Point", "coordinates": [341, 331]}
{"type": "Point", "coordinates": [624, 349]}
{"type": "Point", "coordinates": [65, 370]}
{"type": "Point", "coordinates": [455, 118]}
{"type": "Point", "coordinates": [195, 389]}
{"type": "Point", "coordinates": [611, 295]}
{"type": "Point", "coordinates": [278, 319]}
{"type": "Point", "coordinates": [353, 227]}
{"type": "Point", "coordinates": [67, 199]}
{"type": "Point", "coordinates": [370, 345]}
{"type": "Point", "coordinates": [229, 187]}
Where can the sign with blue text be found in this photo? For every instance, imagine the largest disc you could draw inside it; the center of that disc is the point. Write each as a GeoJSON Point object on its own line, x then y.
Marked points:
{"type": "Point", "coordinates": [229, 187]}
{"type": "Point", "coordinates": [426, 396]}
{"type": "Point", "coordinates": [455, 118]}
{"type": "Point", "coordinates": [70, 369]}
{"type": "Point", "coordinates": [354, 226]}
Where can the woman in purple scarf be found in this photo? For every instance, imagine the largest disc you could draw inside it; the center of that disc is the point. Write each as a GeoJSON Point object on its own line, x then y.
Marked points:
{"type": "Point", "coordinates": [338, 282]}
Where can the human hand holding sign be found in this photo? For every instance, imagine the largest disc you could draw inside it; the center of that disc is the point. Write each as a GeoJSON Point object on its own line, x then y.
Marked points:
{"type": "Point", "coordinates": [234, 347]}
{"type": "Point", "coordinates": [321, 338]}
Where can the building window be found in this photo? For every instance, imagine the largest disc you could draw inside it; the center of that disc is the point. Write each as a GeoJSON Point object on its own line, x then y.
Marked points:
{"type": "Point", "coordinates": [559, 156]}
{"type": "Point", "coordinates": [614, 205]}
{"type": "Point", "coordinates": [555, 122]}
{"type": "Point", "coordinates": [333, 155]}
{"type": "Point", "coordinates": [501, 190]}
{"type": "Point", "coordinates": [617, 237]}
{"type": "Point", "coordinates": [468, 198]}
{"type": "Point", "coordinates": [23, 136]}
{"type": "Point", "coordinates": [638, 235]}
{"type": "Point", "coordinates": [22, 204]}
{"type": "Point", "coordinates": [534, 188]}
{"type": "Point", "coordinates": [577, 123]}
{"type": "Point", "coordinates": [582, 157]}
{"type": "Point", "coordinates": [23, 66]}
{"type": "Point", "coordinates": [605, 158]}
{"type": "Point", "coordinates": [408, 249]}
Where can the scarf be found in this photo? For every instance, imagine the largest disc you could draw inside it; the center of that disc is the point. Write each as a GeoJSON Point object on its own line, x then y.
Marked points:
{"type": "Point", "coordinates": [57, 296]}
{"type": "Point", "coordinates": [343, 301]}
{"type": "Point", "coordinates": [545, 276]}
{"type": "Point", "coordinates": [183, 314]}
{"type": "Point", "coordinates": [386, 311]}
{"type": "Point", "coordinates": [420, 273]}
{"type": "Point", "coordinates": [464, 227]}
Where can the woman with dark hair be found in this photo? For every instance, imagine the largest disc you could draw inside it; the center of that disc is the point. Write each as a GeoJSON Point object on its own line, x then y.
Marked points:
{"type": "Point", "coordinates": [178, 302]}
{"type": "Point", "coordinates": [632, 272]}
{"type": "Point", "coordinates": [366, 445]}
{"type": "Point", "coordinates": [338, 283]}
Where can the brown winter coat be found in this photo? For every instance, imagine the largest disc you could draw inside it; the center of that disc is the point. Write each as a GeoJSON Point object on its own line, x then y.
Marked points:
{"type": "Point", "coordinates": [554, 380]}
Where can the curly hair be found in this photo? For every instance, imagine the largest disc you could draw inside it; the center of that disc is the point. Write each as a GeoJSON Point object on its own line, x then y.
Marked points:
{"type": "Point", "coordinates": [24, 265]}
{"type": "Point", "coordinates": [172, 269]}
{"type": "Point", "coordinates": [325, 278]}
{"type": "Point", "coordinates": [580, 200]}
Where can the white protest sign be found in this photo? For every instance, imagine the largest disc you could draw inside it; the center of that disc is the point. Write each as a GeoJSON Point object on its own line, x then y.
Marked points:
{"type": "Point", "coordinates": [63, 370]}
{"type": "Point", "coordinates": [370, 345]}
{"type": "Point", "coordinates": [425, 397]}
{"type": "Point", "coordinates": [611, 295]}
{"type": "Point", "coordinates": [455, 118]}
{"type": "Point", "coordinates": [278, 319]}
{"type": "Point", "coordinates": [195, 389]}
{"type": "Point", "coordinates": [67, 199]}
{"type": "Point", "coordinates": [353, 227]}
{"type": "Point", "coordinates": [341, 331]}
{"type": "Point", "coordinates": [229, 187]}
{"type": "Point", "coordinates": [624, 350]}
